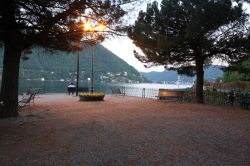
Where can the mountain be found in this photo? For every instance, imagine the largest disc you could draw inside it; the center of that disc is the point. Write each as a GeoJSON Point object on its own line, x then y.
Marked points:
{"type": "Point", "coordinates": [57, 65]}
{"type": "Point", "coordinates": [211, 73]}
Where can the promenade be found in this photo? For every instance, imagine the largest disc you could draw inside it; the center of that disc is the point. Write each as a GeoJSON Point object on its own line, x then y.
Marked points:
{"type": "Point", "coordinates": [59, 130]}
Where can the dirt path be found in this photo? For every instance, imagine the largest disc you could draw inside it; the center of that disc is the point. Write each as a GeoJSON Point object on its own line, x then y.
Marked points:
{"type": "Point", "coordinates": [60, 130]}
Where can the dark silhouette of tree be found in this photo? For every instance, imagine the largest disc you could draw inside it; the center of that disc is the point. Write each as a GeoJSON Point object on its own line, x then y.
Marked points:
{"type": "Point", "coordinates": [48, 23]}
{"type": "Point", "coordinates": [186, 35]}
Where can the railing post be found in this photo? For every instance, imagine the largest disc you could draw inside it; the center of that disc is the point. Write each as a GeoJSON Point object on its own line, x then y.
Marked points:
{"type": "Point", "coordinates": [123, 90]}
{"type": "Point", "coordinates": [143, 92]}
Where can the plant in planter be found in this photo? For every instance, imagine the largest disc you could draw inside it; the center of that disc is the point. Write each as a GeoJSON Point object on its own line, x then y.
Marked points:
{"type": "Point", "coordinates": [91, 96]}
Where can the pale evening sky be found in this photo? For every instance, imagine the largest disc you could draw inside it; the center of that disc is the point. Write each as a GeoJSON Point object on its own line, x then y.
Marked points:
{"type": "Point", "coordinates": [123, 47]}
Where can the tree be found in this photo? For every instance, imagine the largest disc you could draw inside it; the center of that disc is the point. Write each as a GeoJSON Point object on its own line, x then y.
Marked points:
{"type": "Point", "coordinates": [239, 71]}
{"type": "Point", "coordinates": [186, 35]}
{"type": "Point", "coordinates": [47, 23]}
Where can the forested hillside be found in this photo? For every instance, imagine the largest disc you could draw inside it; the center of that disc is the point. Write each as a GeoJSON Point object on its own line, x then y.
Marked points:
{"type": "Point", "coordinates": [211, 73]}
{"type": "Point", "coordinates": [57, 65]}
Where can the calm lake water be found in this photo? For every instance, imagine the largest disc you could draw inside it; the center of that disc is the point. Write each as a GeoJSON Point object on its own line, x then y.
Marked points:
{"type": "Point", "coordinates": [158, 86]}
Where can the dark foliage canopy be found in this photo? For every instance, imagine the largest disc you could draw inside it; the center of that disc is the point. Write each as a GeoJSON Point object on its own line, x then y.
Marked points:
{"type": "Point", "coordinates": [183, 32]}
{"type": "Point", "coordinates": [53, 23]}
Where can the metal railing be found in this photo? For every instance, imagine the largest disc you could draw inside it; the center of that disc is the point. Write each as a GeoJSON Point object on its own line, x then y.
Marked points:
{"type": "Point", "coordinates": [211, 96]}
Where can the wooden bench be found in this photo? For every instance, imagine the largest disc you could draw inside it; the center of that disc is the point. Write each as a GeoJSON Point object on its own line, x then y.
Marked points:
{"type": "Point", "coordinates": [166, 94]}
{"type": "Point", "coordinates": [25, 101]}
{"type": "Point", "coordinates": [117, 91]}
{"type": "Point", "coordinates": [35, 92]}
{"type": "Point", "coordinates": [245, 101]}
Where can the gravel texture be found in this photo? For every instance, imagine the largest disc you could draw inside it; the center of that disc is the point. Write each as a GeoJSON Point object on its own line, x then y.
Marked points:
{"type": "Point", "coordinates": [62, 131]}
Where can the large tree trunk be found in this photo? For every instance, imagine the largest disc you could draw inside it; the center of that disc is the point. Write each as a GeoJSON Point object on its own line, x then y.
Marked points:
{"type": "Point", "coordinates": [9, 86]}
{"type": "Point", "coordinates": [199, 81]}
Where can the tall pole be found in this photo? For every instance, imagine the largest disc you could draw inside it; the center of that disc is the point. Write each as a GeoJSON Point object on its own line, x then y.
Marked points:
{"type": "Point", "coordinates": [77, 71]}
{"type": "Point", "coordinates": [92, 70]}
{"type": "Point", "coordinates": [88, 27]}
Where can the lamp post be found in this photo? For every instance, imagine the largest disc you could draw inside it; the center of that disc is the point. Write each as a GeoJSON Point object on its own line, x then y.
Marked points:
{"type": "Point", "coordinates": [77, 70]}
{"type": "Point", "coordinates": [91, 29]}
{"type": "Point", "coordinates": [92, 71]}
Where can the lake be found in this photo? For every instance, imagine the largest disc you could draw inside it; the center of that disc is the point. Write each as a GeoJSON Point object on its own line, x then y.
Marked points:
{"type": "Point", "coordinates": [158, 86]}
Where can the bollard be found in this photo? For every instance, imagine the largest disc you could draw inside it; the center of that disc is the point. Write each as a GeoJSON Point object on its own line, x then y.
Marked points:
{"type": "Point", "coordinates": [143, 92]}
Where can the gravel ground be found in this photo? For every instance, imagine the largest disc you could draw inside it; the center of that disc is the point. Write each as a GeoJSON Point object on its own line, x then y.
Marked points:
{"type": "Point", "coordinates": [59, 130]}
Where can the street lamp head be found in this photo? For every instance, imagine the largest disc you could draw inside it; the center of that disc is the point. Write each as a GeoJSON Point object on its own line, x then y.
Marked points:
{"type": "Point", "coordinates": [101, 27]}
{"type": "Point", "coordinates": [87, 27]}
{"type": "Point", "coordinates": [93, 31]}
